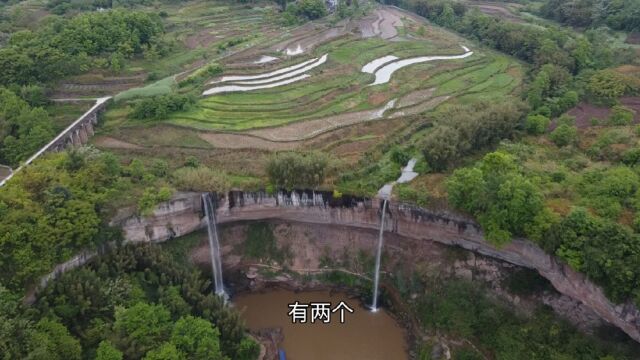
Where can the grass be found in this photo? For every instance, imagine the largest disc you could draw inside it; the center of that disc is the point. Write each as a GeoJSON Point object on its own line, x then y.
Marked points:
{"type": "Point", "coordinates": [63, 114]}
{"type": "Point", "coordinates": [160, 87]}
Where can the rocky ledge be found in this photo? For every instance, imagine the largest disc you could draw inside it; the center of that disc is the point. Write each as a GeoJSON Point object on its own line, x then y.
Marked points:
{"type": "Point", "coordinates": [183, 215]}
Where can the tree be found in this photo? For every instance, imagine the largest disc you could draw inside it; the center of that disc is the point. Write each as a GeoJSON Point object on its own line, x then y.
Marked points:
{"type": "Point", "coordinates": [504, 201]}
{"type": "Point", "coordinates": [196, 338]}
{"type": "Point", "coordinates": [448, 17]}
{"type": "Point", "coordinates": [606, 86]}
{"type": "Point", "coordinates": [248, 350]}
{"type": "Point", "coordinates": [311, 9]}
{"type": "Point", "coordinates": [141, 328]}
{"type": "Point", "coordinates": [52, 341]}
{"type": "Point", "coordinates": [537, 124]}
{"type": "Point", "coordinates": [564, 135]}
{"type": "Point", "coordinates": [166, 351]}
{"type": "Point", "coordinates": [106, 351]}
{"type": "Point", "coordinates": [462, 130]}
{"type": "Point", "coordinates": [13, 327]}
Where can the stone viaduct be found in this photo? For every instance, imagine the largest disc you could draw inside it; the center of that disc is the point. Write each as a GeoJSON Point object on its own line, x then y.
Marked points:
{"type": "Point", "coordinates": [76, 134]}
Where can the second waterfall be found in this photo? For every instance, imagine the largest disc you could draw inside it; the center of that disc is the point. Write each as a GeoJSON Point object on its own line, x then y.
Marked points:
{"type": "Point", "coordinates": [376, 281]}
{"type": "Point", "coordinates": [214, 244]}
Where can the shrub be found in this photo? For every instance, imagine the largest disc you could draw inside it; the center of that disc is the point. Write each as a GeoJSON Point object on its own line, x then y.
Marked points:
{"type": "Point", "coordinates": [537, 124]}
{"type": "Point", "coordinates": [159, 107]}
{"type": "Point", "coordinates": [621, 115]}
{"type": "Point", "coordinates": [564, 135]}
{"type": "Point", "coordinates": [462, 130]}
{"type": "Point", "coordinates": [400, 156]}
{"type": "Point", "coordinates": [293, 169]}
{"type": "Point", "coordinates": [192, 161]}
{"type": "Point", "coordinates": [606, 86]}
{"type": "Point", "coordinates": [152, 197]}
{"type": "Point", "coordinates": [160, 168]}
{"type": "Point", "coordinates": [505, 202]}
{"type": "Point", "coordinates": [631, 157]}
{"type": "Point", "coordinates": [201, 179]}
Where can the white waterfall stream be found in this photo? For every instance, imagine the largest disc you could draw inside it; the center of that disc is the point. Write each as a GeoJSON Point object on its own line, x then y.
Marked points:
{"type": "Point", "coordinates": [376, 281]}
{"type": "Point", "coordinates": [214, 244]}
{"type": "Point", "coordinates": [384, 193]}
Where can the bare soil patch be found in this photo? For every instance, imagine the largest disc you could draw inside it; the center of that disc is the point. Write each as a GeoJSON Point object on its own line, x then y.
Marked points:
{"type": "Point", "coordinates": [113, 143]}
{"type": "Point", "coordinates": [584, 112]}
{"type": "Point", "coordinates": [239, 141]}
{"type": "Point", "coordinates": [97, 85]}
{"type": "Point", "coordinates": [201, 39]}
{"type": "Point", "coordinates": [420, 107]}
{"type": "Point", "coordinates": [415, 97]}
{"type": "Point", "coordinates": [633, 38]}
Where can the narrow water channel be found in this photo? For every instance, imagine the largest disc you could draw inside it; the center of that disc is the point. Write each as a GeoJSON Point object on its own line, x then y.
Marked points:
{"type": "Point", "coordinates": [363, 335]}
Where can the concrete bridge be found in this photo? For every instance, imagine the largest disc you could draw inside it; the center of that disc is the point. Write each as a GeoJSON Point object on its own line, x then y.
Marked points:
{"type": "Point", "coordinates": [75, 135]}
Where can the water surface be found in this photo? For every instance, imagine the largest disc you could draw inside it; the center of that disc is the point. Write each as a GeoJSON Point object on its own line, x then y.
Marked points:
{"type": "Point", "coordinates": [364, 335]}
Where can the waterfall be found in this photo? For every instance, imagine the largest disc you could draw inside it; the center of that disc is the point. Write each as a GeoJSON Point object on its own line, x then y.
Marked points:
{"type": "Point", "coordinates": [214, 243]}
{"type": "Point", "coordinates": [374, 306]}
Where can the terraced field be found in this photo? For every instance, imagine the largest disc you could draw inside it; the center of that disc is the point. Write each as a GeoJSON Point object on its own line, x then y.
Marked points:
{"type": "Point", "coordinates": [200, 32]}
{"type": "Point", "coordinates": [339, 86]}
{"type": "Point", "coordinates": [336, 94]}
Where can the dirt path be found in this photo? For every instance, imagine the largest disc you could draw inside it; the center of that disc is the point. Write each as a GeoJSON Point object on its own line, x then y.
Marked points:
{"type": "Point", "coordinates": [500, 10]}
{"type": "Point", "coordinates": [239, 141]}
{"type": "Point", "coordinates": [113, 143]}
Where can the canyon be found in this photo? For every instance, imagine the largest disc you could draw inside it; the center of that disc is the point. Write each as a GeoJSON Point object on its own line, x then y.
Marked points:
{"type": "Point", "coordinates": [183, 215]}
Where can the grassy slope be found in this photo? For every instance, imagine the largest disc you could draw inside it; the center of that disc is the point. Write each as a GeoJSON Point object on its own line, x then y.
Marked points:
{"type": "Point", "coordinates": [339, 86]}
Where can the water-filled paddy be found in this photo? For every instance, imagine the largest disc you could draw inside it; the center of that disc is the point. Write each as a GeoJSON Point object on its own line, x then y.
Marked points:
{"type": "Point", "coordinates": [364, 335]}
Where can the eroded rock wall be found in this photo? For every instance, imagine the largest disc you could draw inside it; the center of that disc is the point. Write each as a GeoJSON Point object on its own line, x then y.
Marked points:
{"type": "Point", "coordinates": [183, 215]}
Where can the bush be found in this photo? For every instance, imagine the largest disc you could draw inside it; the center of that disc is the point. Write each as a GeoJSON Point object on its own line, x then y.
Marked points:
{"type": "Point", "coordinates": [631, 157]}
{"type": "Point", "coordinates": [621, 115]}
{"type": "Point", "coordinates": [292, 169]}
{"type": "Point", "coordinates": [159, 107]}
{"type": "Point", "coordinates": [400, 156]}
{"type": "Point", "coordinates": [537, 124]}
{"type": "Point", "coordinates": [192, 161]}
{"type": "Point", "coordinates": [606, 86]}
{"type": "Point", "coordinates": [505, 202]}
{"type": "Point", "coordinates": [152, 197]}
{"type": "Point", "coordinates": [160, 168]}
{"type": "Point", "coordinates": [311, 9]}
{"type": "Point", "coordinates": [564, 135]}
{"type": "Point", "coordinates": [460, 131]}
{"type": "Point", "coordinates": [201, 179]}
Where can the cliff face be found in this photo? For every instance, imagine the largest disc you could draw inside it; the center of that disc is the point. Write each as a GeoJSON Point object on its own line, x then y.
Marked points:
{"type": "Point", "coordinates": [183, 214]}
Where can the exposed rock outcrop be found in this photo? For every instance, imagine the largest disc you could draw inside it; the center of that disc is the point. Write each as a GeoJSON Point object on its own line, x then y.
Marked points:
{"type": "Point", "coordinates": [183, 215]}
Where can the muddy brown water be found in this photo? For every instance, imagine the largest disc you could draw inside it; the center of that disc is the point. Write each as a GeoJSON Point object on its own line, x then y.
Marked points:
{"type": "Point", "coordinates": [363, 335]}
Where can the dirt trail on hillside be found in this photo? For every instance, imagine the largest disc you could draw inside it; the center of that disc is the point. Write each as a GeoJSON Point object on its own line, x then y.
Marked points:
{"type": "Point", "coordinates": [500, 10]}
{"type": "Point", "coordinates": [113, 143]}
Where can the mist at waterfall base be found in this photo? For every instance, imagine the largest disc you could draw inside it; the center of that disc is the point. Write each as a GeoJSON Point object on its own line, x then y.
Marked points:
{"type": "Point", "coordinates": [214, 244]}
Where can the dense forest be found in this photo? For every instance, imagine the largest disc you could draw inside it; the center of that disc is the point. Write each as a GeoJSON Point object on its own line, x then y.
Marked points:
{"type": "Point", "coordinates": [136, 302]}
{"type": "Point", "coordinates": [70, 46]}
{"type": "Point", "coordinates": [616, 14]}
